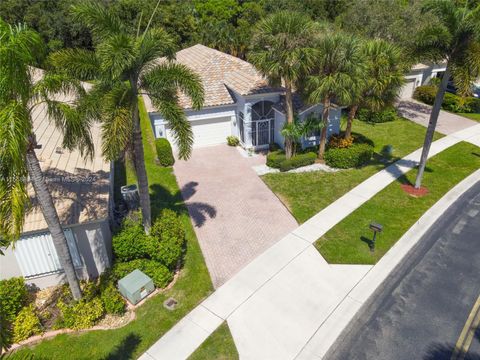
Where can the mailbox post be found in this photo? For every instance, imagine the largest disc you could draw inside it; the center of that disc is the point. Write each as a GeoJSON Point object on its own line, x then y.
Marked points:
{"type": "Point", "coordinates": [376, 229]}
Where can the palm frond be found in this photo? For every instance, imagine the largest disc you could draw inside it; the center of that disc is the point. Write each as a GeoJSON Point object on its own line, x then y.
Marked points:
{"type": "Point", "coordinates": [15, 130]}
{"type": "Point", "coordinates": [101, 21]}
{"type": "Point", "coordinates": [79, 63]}
{"type": "Point", "coordinates": [166, 103]}
{"type": "Point", "coordinates": [117, 54]}
{"type": "Point", "coordinates": [173, 77]}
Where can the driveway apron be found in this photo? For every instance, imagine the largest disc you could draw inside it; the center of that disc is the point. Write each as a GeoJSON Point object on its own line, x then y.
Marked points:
{"type": "Point", "coordinates": [235, 215]}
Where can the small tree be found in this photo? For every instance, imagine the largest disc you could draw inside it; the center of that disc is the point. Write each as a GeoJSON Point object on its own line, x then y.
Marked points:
{"type": "Point", "coordinates": [282, 50]}
{"type": "Point", "coordinates": [378, 81]}
{"type": "Point", "coordinates": [456, 39]}
{"type": "Point", "coordinates": [338, 62]}
{"type": "Point", "coordinates": [127, 63]}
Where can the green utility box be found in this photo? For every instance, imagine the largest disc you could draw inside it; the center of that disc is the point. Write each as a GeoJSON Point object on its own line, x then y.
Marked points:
{"type": "Point", "coordinates": [135, 286]}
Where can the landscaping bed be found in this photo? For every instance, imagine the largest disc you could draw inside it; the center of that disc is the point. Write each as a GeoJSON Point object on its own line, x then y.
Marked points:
{"type": "Point", "coordinates": [451, 102]}
{"type": "Point", "coordinates": [348, 242]}
{"type": "Point", "coordinates": [152, 319]}
{"type": "Point", "coordinates": [319, 189]}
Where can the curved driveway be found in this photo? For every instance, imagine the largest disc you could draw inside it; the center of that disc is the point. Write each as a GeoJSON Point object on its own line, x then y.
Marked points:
{"type": "Point", "coordinates": [235, 215]}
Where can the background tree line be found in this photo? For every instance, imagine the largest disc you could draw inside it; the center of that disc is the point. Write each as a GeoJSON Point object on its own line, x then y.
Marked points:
{"type": "Point", "coordinates": [226, 25]}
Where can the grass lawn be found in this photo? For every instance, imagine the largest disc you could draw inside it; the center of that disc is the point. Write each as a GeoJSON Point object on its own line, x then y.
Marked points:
{"type": "Point", "coordinates": [472, 116]}
{"type": "Point", "coordinates": [218, 346]}
{"type": "Point", "coordinates": [305, 194]}
{"type": "Point", "coordinates": [347, 242]}
{"type": "Point", "coordinates": [153, 320]}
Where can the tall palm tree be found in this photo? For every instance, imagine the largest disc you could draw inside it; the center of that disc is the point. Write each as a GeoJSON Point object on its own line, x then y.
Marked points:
{"type": "Point", "coordinates": [19, 97]}
{"type": "Point", "coordinates": [338, 61]}
{"type": "Point", "coordinates": [282, 50]}
{"type": "Point", "coordinates": [379, 80]}
{"type": "Point", "coordinates": [456, 39]}
{"type": "Point", "coordinates": [128, 63]}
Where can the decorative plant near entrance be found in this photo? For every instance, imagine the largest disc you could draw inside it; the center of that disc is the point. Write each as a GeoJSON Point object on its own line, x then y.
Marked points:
{"type": "Point", "coordinates": [127, 63]}
{"type": "Point", "coordinates": [19, 97]}
{"type": "Point", "coordinates": [282, 50]}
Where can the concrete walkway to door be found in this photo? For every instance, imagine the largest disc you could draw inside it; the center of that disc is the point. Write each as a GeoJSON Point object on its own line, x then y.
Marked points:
{"type": "Point", "coordinates": [235, 215]}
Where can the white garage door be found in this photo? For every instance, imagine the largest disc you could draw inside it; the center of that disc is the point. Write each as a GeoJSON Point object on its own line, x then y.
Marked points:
{"type": "Point", "coordinates": [207, 132]}
{"type": "Point", "coordinates": [407, 90]}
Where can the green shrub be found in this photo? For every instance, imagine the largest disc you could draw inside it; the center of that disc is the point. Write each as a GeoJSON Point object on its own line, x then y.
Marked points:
{"type": "Point", "coordinates": [13, 297]}
{"type": "Point", "coordinates": [112, 300]}
{"type": "Point", "coordinates": [472, 105]}
{"type": "Point", "coordinates": [386, 115]}
{"type": "Point", "coordinates": [81, 314]}
{"type": "Point", "coordinates": [344, 158]}
{"type": "Point", "coordinates": [298, 161]}
{"type": "Point", "coordinates": [159, 273]}
{"type": "Point", "coordinates": [452, 102]}
{"type": "Point", "coordinates": [233, 141]}
{"type": "Point", "coordinates": [26, 324]}
{"type": "Point", "coordinates": [167, 239]}
{"type": "Point", "coordinates": [129, 242]}
{"type": "Point", "coordinates": [275, 158]}
{"type": "Point", "coordinates": [425, 94]}
{"type": "Point", "coordinates": [164, 152]}
{"type": "Point", "coordinates": [274, 147]}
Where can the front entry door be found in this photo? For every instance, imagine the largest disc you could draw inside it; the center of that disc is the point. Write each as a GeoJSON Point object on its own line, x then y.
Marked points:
{"type": "Point", "coordinates": [263, 132]}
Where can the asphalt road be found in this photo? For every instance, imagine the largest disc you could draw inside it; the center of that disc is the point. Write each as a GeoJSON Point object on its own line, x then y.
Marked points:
{"type": "Point", "coordinates": [422, 308]}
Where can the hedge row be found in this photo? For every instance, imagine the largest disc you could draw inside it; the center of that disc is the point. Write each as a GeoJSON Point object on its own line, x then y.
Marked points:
{"type": "Point", "coordinates": [389, 114]}
{"type": "Point", "coordinates": [278, 160]}
{"type": "Point", "coordinates": [451, 102]}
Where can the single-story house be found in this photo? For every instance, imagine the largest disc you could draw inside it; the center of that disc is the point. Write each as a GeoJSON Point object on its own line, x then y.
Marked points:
{"type": "Point", "coordinates": [238, 102]}
{"type": "Point", "coordinates": [81, 192]}
{"type": "Point", "coordinates": [419, 75]}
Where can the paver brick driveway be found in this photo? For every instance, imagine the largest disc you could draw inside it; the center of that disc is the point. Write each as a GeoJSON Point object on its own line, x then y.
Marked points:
{"type": "Point", "coordinates": [235, 215]}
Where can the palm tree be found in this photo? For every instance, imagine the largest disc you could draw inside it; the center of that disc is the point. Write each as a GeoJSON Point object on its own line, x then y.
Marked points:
{"type": "Point", "coordinates": [456, 39]}
{"type": "Point", "coordinates": [338, 62]}
{"type": "Point", "coordinates": [19, 96]}
{"type": "Point", "coordinates": [282, 50]}
{"type": "Point", "coordinates": [128, 63]}
{"type": "Point", "coordinates": [378, 81]}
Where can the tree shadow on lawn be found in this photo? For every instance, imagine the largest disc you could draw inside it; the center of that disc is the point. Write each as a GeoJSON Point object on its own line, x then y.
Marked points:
{"type": "Point", "coordinates": [198, 211]}
{"type": "Point", "coordinates": [125, 349]}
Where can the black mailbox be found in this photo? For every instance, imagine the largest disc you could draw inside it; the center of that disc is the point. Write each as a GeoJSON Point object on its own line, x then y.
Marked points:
{"type": "Point", "coordinates": [376, 227]}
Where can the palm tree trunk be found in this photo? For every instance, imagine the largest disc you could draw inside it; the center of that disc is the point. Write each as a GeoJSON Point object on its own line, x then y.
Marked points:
{"type": "Point", "coordinates": [432, 124]}
{"type": "Point", "coordinates": [51, 217]}
{"type": "Point", "coordinates": [323, 134]}
{"type": "Point", "coordinates": [139, 162]}
{"type": "Point", "coordinates": [351, 116]}
{"type": "Point", "coordinates": [289, 108]}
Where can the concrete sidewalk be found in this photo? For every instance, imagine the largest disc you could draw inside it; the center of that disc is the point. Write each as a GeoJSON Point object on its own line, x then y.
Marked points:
{"type": "Point", "coordinates": [289, 303]}
{"type": "Point", "coordinates": [447, 123]}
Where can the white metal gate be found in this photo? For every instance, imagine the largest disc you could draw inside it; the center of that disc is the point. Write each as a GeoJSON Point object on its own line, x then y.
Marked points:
{"type": "Point", "coordinates": [262, 133]}
{"type": "Point", "coordinates": [36, 254]}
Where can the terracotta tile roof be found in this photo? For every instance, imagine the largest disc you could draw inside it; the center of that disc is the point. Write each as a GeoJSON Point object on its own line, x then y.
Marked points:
{"type": "Point", "coordinates": [80, 188]}
{"type": "Point", "coordinates": [219, 73]}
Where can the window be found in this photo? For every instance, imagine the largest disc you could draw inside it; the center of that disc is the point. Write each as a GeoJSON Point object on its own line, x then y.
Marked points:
{"type": "Point", "coordinates": [262, 110]}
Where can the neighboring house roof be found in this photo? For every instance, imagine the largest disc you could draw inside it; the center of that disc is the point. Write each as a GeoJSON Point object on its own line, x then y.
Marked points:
{"type": "Point", "coordinates": [80, 189]}
{"type": "Point", "coordinates": [219, 72]}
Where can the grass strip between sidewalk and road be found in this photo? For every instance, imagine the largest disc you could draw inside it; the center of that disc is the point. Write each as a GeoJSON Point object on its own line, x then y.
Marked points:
{"type": "Point", "coordinates": [305, 194]}
{"type": "Point", "coordinates": [348, 241]}
{"type": "Point", "coordinates": [218, 346]}
{"type": "Point", "coordinates": [152, 319]}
